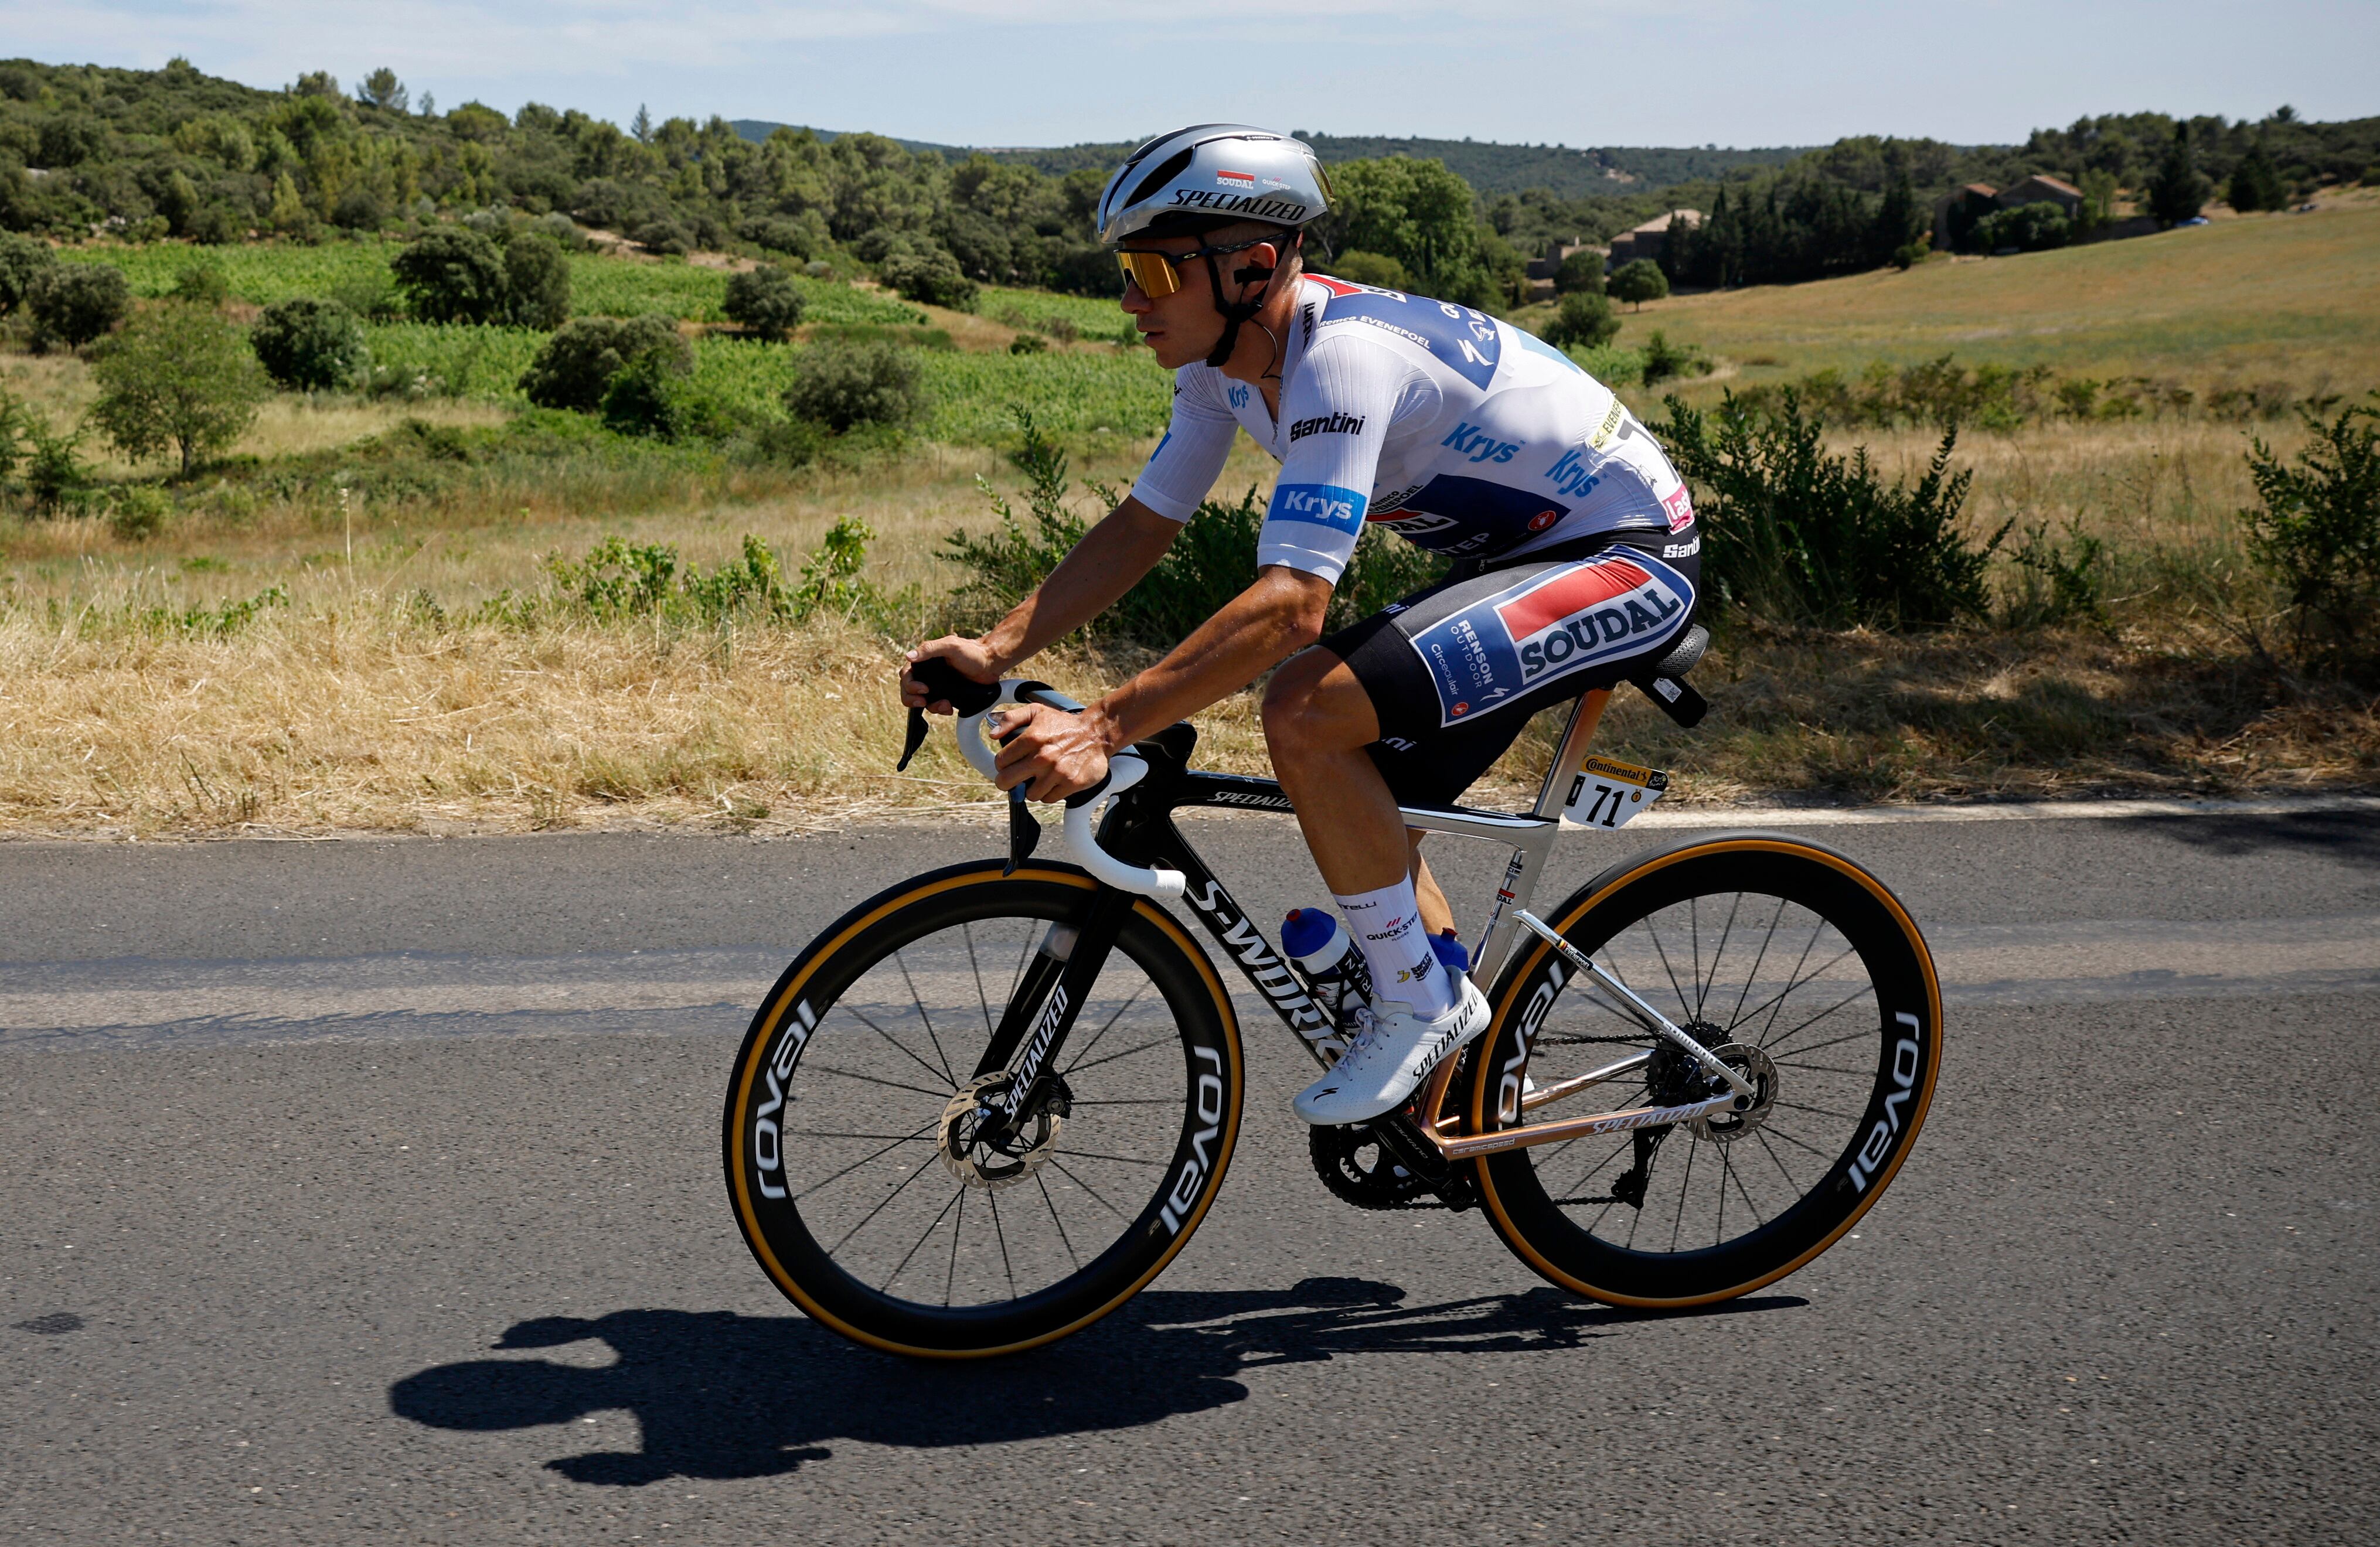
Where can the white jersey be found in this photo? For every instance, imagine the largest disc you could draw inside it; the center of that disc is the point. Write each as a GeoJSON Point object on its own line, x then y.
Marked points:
{"type": "Point", "coordinates": [1448, 426]}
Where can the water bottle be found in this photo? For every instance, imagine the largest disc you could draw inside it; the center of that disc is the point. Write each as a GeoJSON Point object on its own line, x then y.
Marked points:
{"type": "Point", "coordinates": [1319, 944]}
{"type": "Point", "coordinates": [1450, 954]}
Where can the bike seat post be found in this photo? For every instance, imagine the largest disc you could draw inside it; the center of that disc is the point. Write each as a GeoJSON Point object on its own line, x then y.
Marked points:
{"type": "Point", "coordinates": [1584, 716]}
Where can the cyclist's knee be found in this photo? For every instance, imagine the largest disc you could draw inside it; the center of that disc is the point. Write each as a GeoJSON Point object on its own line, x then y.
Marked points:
{"type": "Point", "coordinates": [1313, 703]}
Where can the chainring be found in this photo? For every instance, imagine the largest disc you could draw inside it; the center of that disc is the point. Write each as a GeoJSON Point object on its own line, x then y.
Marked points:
{"type": "Point", "coordinates": [1358, 1170]}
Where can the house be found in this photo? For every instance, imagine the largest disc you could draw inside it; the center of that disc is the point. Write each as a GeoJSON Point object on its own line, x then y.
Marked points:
{"type": "Point", "coordinates": [1648, 239]}
{"type": "Point", "coordinates": [1956, 212]}
{"type": "Point", "coordinates": [1543, 270]}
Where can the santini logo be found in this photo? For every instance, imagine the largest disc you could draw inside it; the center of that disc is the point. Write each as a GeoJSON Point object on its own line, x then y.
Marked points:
{"type": "Point", "coordinates": [1321, 505]}
{"type": "Point", "coordinates": [1330, 424]}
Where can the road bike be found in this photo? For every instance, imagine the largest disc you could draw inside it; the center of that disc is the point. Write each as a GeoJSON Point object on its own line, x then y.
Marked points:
{"type": "Point", "coordinates": [988, 1105]}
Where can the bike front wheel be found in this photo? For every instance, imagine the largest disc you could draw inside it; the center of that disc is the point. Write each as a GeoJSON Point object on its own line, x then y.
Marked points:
{"type": "Point", "coordinates": [1794, 965]}
{"type": "Point", "coordinates": [853, 1159]}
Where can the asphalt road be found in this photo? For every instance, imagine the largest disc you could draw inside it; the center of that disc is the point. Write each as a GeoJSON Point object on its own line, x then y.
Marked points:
{"type": "Point", "coordinates": [367, 1191]}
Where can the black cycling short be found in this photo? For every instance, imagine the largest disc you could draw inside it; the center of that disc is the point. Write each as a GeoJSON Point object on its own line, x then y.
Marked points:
{"type": "Point", "coordinates": [1455, 671]}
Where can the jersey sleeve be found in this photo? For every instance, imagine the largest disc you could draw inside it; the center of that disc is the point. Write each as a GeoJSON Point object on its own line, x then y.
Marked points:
{"type": "Point", "coordinates": [1338, 410]}
{"type": "Point", "coordinates": [1186, 463]}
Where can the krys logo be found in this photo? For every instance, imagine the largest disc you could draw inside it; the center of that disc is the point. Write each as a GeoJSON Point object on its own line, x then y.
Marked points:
{"type": "Point", "coordinates": [1320, 505]}
{"type": "Point", "coordinates": [1591, 613]}
{"type": "Point", "coordinates": [1480, 446]}
{"type": "Point", "coordinates": [1570, 474]}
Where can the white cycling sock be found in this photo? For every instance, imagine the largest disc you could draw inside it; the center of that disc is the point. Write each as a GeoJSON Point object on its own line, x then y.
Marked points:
{"type": "Point", "coordinates": [1387, 926]}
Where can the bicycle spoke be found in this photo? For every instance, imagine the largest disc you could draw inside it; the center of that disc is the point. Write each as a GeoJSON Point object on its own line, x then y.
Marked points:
{"type": "Point", "coordinates": [1797, 1107]}
{"type": "Point", "coordinates": [871, 1026]}
{"type": "Point", "coordinates": [1064, 1239]}
{"type": "Point", "coordinates": [1729, 1164]}
{"type": "Point", "coordinates": [966, 932]}
{"type": "Point", "coordinates": [872, 1080]}
{"type": "Point", "coordinates": [1822, 1046]}
{"type": "Point", "coordinates": [1863, 989]}
{"type": "Point", "coordinates": [1684, 1008]}
{"type": "Point", "coordinates": [1104, 1030]}
{"type": "Point", "coordinates": [1006, 1266]}
{"type": "Point", "coordinates": [864, 1159]}
{"type": "Point", "coordinates": [1154, 1042]}
{"type": "Point", "coordinates": [951, 1274]}
{"type": "Point", "coordinates": [1684, 1184]}
{"type": "Point", "coordinates": [930, 1228]}
{"type": "Point", "coordinates": [1094, 1155]}
{"type": "Point", "coordinates": [878, 1209]}
{"type": "Point", "coordinates": [1764, 1145]}
{"type": "Point", "coordinates": [1089, 1189]}
{"type": "Point", "coordinates": [902, 962]}
{"type": "Point", "coordinates": [1702, 993]}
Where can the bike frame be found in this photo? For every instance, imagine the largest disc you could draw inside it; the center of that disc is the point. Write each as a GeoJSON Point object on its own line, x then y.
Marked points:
{"type": "Point", "coordinates": [1141, 829]}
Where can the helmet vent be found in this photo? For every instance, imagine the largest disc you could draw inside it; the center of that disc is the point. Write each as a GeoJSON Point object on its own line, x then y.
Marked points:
{"type": "Point", "coordinates": [1167, 169]}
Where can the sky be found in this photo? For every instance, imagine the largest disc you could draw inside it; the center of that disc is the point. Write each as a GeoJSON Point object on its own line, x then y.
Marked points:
{"type": "Point", "coordinates": [1035, 72]}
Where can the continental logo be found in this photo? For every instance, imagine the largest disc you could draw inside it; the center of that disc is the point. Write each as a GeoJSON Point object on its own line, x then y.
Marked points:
{"type": "Point", "coordinates": [1328, 424]}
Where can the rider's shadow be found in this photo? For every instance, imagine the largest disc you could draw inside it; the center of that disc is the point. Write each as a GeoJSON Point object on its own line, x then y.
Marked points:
{"type": "Point", "coordinates": [721, 1395]}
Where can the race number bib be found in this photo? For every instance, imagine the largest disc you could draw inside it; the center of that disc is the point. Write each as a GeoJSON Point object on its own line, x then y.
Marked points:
{"type": "Point", "coordinates": [1608, 793]}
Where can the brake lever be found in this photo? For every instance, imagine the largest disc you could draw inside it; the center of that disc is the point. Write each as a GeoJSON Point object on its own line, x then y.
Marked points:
{"type": "Point", "coordinates": [913, 740]}
{"type": "Point", "coordinates": [1024, 830]}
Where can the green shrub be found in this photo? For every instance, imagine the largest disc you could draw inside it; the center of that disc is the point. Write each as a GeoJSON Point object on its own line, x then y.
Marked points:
{"type": "Point", "coordinates": [138, 511]}
{"type": "Point", "coordinates": [575, 367]}
{"type": "Point", "coordinates": [2057, 582]}
{"type": "Point", "coordinates": [22, 260]}
{"type": "Point", "coordinates": [2027, 228]}
{"type": "Point", "coordinates": [1664, 359]}
{"type": "Point", "coordinates": [371, 294]}
{"type": "Point", "coordinates": [310, 345]}
{"type": "Point", "coordinates": [804, 238]}
{"type": "Point", "coordinates": [620, 580]}
{"type": "Point", "coordinates": [54, 472]}
{"type": "Point", "coordinates": [1795, 535]}
{"type": "Point", "coordinates": [203, 285]}
{"type": "Point", "coordinates": [932, 278]}
{"type": "Point", "coordinates": [2318, 533]}
{"type": "Point", "coordinates": [179, 378]}
{"type": "Point", "coordinates": [1637, 281]}
{"type": "Point", "coordinates": [1357, 267]}
{"type": "Point", "coordinates": [839, 383]}
{"type": "Point", "coordinates": [1582, 322]}
{"type": "Point", "coordinates": [75, 303]}
{"type": "Point", "coordinates": [764, 302]}
{"type": "Point", "coordinates": [1027, 344]}
{"type": "Point", "coordinates": [537, 282]}
{"type": "Point", "coordinates": [1212, 559]}
{"type": "Point", "coordinates": [664, 238]}
{"type": "Point", "coordinates": [452, 274]}
{"type": "Point", "coordinates": [653, 395]}
{"type": "Point", "coordinates": [1581, 271]}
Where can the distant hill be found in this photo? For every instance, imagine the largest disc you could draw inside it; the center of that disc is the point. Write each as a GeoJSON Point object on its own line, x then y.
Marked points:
{"type": "Point", "coordinates": [1487, 165]}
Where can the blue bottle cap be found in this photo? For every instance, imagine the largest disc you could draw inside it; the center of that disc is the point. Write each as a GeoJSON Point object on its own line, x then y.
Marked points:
{"type": "Point", "coordinates": [1450, 951]}
{"type": "Point", "coordinates": [1307, 930]}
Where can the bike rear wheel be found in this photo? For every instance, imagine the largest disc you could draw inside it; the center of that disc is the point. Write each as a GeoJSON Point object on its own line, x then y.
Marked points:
{"type": "Point", "coordinates": [846, 1140]}
{"type": "Point", "coordinates": [1796, 966]}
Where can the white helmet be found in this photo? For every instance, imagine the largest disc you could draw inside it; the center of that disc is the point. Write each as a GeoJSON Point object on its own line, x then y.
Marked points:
{"type": "Point", "coordinates": [1233, 170]}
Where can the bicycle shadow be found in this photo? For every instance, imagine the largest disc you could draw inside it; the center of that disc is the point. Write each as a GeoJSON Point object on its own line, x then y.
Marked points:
{"type": "Point", "coordinates": [718, 1394]}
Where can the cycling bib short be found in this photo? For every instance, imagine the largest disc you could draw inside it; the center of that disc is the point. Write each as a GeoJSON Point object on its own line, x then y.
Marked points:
{"type": "Point", "coordinates": [1475, 440]}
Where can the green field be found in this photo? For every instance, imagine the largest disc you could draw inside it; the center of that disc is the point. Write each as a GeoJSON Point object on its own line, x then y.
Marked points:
{"type": "Point", "coordinates": [2294, 297]}
{"type": "Point", "coordinates": [601, 284]}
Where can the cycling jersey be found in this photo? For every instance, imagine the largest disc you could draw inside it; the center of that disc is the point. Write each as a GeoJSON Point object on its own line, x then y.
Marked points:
{"type": "Point", "coordinates": [1451, 429]}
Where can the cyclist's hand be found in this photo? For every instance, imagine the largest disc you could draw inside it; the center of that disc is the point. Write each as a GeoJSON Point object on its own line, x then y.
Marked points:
{"type": "Point", "coordinates": [969, 655]}
{"type": "Point", "coordinates": [1051, 752]}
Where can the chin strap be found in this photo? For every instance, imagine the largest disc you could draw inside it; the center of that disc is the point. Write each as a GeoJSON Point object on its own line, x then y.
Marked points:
{"type": "Point", "coordinates": [1237, 312]}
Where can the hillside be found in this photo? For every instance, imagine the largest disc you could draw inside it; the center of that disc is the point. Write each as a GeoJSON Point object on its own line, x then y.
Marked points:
{"type": "Point", "coordinates": [2293, 297]}
{"type": "Point", "coordinates": [1488, 166]}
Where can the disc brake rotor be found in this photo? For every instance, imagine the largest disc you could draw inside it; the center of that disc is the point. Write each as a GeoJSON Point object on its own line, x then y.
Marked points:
{"type": "Point", "coordinates": [978, 1145]}
{"type": "Point", "coordinates": [1756, 1067]}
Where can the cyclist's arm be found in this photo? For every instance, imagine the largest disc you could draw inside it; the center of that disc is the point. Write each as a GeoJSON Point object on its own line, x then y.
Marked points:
{"type": "Point", "coordinates": [1109, 561]}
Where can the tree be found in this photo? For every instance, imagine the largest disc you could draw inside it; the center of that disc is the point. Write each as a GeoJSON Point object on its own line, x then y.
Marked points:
{"type": "Point", "coordinates": [1583, 271]}
{"type": "Point", "coordinates": [1417, 212]}
{"type": "Point", "coordinates": [574, 368]}
{"type": "Point", "coordinates": [1637, 281]}
{"type": "Point", "coordinates": [452, 274]}
{"type": "Point", "coordinates": [2256, 182]}
{"type": "Point", "coordinates": [179, 377]}
{"type": "Point", "coordinates": [839, 383]}
{"type": "Point", "coordinates": [204, 284]}
{"type": "Point", "coordinates": [22, 260]}
{"type": "Point", "coordinates": [1585, 322]}
{"type": "Point", "coordinates": [74, 303]}
{"type": "Point", "coordinates": [2177, 191]}
{"type": "Point", "coordinates": [933, 278]}
{"type": "Point", "coordinates": [383, 90]}
{"type": "Point", "coordinates": [641, 128]}
{"type": "Point", "coordinates": [309, 346]}
{"type": "Point", "coordinates": [2026, 228]}
{"type": "Point", "coordinates": [764, 302]}
{"type": "Point", "coordinates": [1358, 267]}
{"type": "Point", "coordinates": [537, 282]}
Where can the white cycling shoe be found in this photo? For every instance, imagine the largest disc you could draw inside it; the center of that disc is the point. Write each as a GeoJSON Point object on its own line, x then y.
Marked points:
{"type": "Point", "coordinates": [1393, 1050]}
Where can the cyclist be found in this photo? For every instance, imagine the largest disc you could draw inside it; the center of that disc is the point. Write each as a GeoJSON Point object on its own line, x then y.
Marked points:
{"type": "Point", "coordinates": [1574, 548]}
